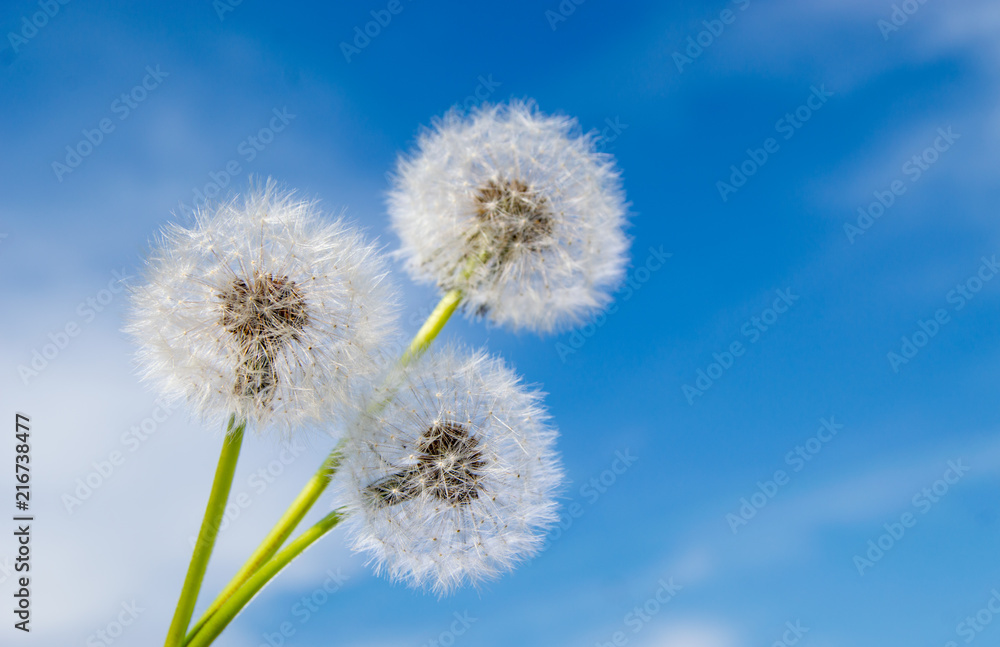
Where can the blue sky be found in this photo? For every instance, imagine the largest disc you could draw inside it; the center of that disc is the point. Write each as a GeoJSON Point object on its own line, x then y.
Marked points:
{"type": "Point", "coordinates": [789, 313]}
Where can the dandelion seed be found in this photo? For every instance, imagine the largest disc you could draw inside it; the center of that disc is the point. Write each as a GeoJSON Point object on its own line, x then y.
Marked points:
{"type": "Point", "coordinates": [518, 211]}
{"type": "Point", "coordinates": [262, 309]}
{"type": "Point", "coordinates": [452, 479]}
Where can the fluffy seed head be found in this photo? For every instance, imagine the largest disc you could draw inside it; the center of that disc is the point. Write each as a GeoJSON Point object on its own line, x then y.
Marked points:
{"type": "Point", "coordinates": [450, 474]}
{"type": "Point", "coordinates": [263, 309]}
{"type": "Point", "coordinates": [518, 210]}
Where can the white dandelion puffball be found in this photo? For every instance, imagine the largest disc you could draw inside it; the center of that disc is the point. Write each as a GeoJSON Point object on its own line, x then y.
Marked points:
{"type": "Point", "coordinates": [453, 478]}
{"type": "Point", "coordinates": [262, 309]}
{"type": "Point", "coordinates": [518, 211]}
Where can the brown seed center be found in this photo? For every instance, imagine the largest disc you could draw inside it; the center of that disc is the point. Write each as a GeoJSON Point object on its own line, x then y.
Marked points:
{"type": "Point", "coordinates": [511, 214]}
{"type": "Point", "coordinates": [262, 314]}
{"type": "Point", "coordinates": [449, 467]}
{"type": "Point", "coordinates": [268, 309]}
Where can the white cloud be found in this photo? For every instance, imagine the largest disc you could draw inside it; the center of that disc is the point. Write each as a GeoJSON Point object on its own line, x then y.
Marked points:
{"type": "Point", "coordinates": [129, 538]}
{"type": "Point", "coordinates": [792, 525]}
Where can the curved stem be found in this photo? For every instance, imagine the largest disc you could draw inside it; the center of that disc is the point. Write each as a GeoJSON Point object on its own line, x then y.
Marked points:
{"type": "Point", "coordinates": [232, 606]}
{"type": "Point", "coordinates": [317, 484]}
{"type": "Point", "coordinates": [278, 534]}
{"type": "Point", "coordinates": [221, 485]}
{"type": "Point", "coordinates": [432, 327]}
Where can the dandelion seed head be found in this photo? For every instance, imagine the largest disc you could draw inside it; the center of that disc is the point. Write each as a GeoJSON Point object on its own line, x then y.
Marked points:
{"type": "Point", "coordinates": [518, 210]}
{"type": "Point", "coordinates": [452, 479]}
{"type": "Point", "coordinates": [265, 309]}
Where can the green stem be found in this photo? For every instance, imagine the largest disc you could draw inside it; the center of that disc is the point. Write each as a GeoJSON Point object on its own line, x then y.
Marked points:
{"type": "Point", "coordinates": [317, 484]}
{"type": "Point", "coordinates": [209, 531]}
{"type": "Point", "coordinates": [231, 607]}
{"type": "Point", "coordinates": [432, 327]}
{"type": "Point", "coordinates": [278, 534]}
